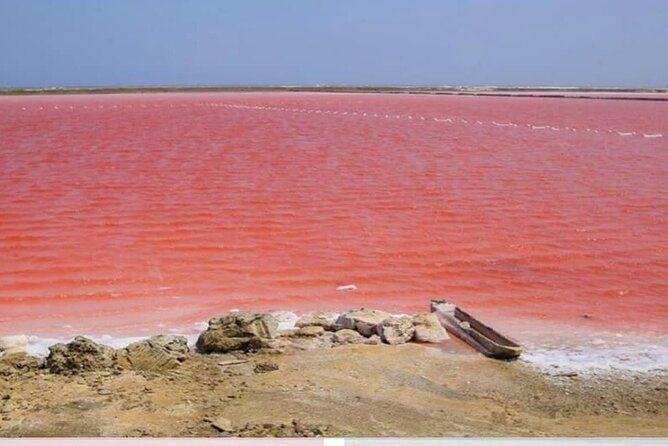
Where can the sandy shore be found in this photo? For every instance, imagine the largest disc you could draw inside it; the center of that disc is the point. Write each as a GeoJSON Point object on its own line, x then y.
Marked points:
{"type": "Point", "coordinates": [350, 390]}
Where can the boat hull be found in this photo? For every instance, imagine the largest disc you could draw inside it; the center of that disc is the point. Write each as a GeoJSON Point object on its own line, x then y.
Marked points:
{"type": "Point", "coordinates": [481, 337]}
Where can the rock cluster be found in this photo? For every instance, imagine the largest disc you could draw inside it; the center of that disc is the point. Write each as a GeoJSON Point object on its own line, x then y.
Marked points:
{"type": "Point", "coordinates": [155, 354]}
{"type": "Point", "coordinates": [294, 429]}
{"type": "Point", "coordinates": [364, 326]}
{"type": "Point", "coordinates": [246, 331]}
{"type": "Point", "coordinates": [364, 321]}
{"type": "Point", "coordinates": [234, 332]}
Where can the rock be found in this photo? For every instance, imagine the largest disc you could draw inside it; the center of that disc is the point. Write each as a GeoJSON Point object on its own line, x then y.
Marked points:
{"type": "Point", "coordinates": [428, 328]}
{"type": "Point", "coordinates": [245, 324]}
{"type": "Point", "coordinates": [238, 331]}
{"type": "Point", "coordinates": [222, 424]}
{"type": "Point", "coordinates": [373, 340]}
{"type": "Point", "coordinates": [216, 342]}
{"type": "Point", "coordinates": [363, 321]}
{"type": "Point", "coordinates": [320, 319]}
{"type": "Point", "coordinates": [324, 340]}
{"type": "Point", "coordinates": [11, 363]}
{"type": "Point", "coordinates": [311, 331]}
{"type": "Point", "coordinates": [81, 354]}
{"type": "Point", "coordinates": [266, 366]}
{"type": "Point", "coordinates": [104, 392]}
{"type": "Point", "coordinates": [290, 333]}
{"type": "Point", "coordinates": [348, 336]}
{"type": "Point", "coordinates": [396, 330]}
{"type": "Point", "coordinates": [155, 354]}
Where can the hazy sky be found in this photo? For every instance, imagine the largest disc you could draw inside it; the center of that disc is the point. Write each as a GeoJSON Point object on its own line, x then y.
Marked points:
{"type": "Point", "coordinates": [457, 42]}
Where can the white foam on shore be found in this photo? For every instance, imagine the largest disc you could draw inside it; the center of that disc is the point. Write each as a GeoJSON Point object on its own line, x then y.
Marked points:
{"type": "Point", "coordinates": [286, 319]}
{"type": "Point", "coordinates": [603, 354]}
{"type": "Point", "coordinates": [39, 345]}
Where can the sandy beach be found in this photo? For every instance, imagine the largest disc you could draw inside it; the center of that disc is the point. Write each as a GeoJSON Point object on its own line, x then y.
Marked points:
{"type": "Point", "coordinates": [309, 383]}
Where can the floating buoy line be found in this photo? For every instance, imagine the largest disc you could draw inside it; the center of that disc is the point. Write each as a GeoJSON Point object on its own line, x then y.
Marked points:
{"type": "Point", "coordinates": [440, 119]}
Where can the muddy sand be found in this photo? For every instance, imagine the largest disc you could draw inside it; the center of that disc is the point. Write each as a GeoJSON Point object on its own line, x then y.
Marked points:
{"type": "Point", "coordinates": [348, 390]}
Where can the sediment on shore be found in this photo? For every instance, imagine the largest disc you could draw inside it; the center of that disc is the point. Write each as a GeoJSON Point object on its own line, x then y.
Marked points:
{"type": "Point", "coordinates": [357, 374]}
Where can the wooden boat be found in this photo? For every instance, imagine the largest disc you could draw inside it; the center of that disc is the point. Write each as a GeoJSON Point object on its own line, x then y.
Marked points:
{"type": "Point", "coordinates": [483, 338]}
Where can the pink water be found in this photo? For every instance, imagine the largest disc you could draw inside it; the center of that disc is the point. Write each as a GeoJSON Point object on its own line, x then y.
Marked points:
{"type": "Point", "coordinates": [127, 211]}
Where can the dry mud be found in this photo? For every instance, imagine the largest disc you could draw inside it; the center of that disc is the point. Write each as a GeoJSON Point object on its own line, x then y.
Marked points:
{"type": "Point", "coordinates": [353, 390]}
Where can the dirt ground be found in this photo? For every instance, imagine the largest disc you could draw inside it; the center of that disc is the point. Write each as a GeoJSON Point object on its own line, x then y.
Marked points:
{"type": "Point", "coordinates": [354, 390]}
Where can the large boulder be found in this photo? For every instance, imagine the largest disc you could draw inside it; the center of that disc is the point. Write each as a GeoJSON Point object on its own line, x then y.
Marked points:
{"type": "Point", "coordinates": [396, 330]}
{"type": "Point", "coordinates": [155, 354]}
{"type": "Point", "coordinates": [428, 328]}
{"type": "Point", "coordinates": [238, 331]}
{"type": "Point", "coordinates": [82, 354]}
{"type": "Point", "coordinates": [245, 324]}
{"type": "Point", "coordinates": [362, 320]}
{"type": "Point", "coordinates": [212, 341]}
{"type": "Point", "coordinates": [318, 319]}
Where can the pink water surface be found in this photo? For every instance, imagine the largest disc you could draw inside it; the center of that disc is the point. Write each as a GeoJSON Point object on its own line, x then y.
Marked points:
{"type": "Point", "coordinates": [159, 210]}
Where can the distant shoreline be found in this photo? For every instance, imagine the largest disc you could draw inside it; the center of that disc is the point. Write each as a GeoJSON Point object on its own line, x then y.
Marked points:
{"type": "Point", "coordinates": [647, 94]}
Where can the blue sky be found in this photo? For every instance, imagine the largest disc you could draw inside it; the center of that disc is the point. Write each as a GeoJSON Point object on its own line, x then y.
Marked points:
{"type": "Point", "coordinates": [442, 42]}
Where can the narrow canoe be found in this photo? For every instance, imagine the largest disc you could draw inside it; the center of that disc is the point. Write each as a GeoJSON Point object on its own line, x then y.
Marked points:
{"type": "Point", "coordinates": [483, 338]}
